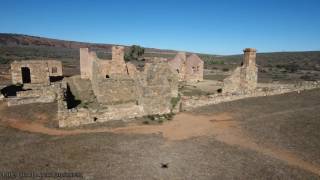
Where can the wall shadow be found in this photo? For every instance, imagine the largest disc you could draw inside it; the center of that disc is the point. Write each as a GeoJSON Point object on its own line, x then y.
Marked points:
{"type": "Point", "coordinates": [56, 78]}
{"type": "Point", "coordinates": [11, 90]}
{"type": "Point", "coordinates": [70, 99]}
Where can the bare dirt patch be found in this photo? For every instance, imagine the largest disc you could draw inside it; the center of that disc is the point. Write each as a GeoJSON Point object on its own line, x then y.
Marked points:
{"type": "Point", "coordinates": [184, 126]}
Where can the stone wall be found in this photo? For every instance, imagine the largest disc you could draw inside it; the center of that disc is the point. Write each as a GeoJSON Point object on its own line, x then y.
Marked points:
{"type": "Point", "coordinates": [189, 68]}
{"type": "Point", "coordinates": [81, 89]}
{"type": "Point", "coordinates": [194, 68]}
{"type": "Point", "coordinates": [188, 103]}
{"type": "Point", "coordinates": [114, 66]}
{"type": "Point", "coordinates": [39, 94]}
{"type": "Point", "coordinates": [116, 90]}
{"type": "Point", "coordinates": [118, 53]}
{"type": "Point", "coordinates": [77, 117]}
{"type": "Point", "coordinates": [39, 72]}
{"type": "Point", "coordinates": [85, 63]}
{"type": "Point", "coordinates": [159, 85]}
{"type": "Point", "coordinates": [120, 90]}
{"type": "Point", "coordinates": [132, 70]}
{"type": "Point", "coordinates": [122, 96]}
{"type": "Point", "coordinates": [55, 68]}
{"type": "Point", "coordinates": [178, 64]}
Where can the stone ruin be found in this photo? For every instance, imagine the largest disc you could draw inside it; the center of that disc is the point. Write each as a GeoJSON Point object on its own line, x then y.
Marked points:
{"type": "Point", "coordinates": [244, 78]}
{"type": "Point", "coordinates": [189, 68]}
{"type": "Point", "coordinates": [113, 90]}
{"type": "Point", "coordinates": [33, 81]}
{"type": "Point", "coordinates": [243, 83]}
{"type": "Point", "coordinates": [35, 71]}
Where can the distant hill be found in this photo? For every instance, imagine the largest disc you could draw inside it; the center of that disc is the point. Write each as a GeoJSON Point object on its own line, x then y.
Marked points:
{"type": "Point", "coordinates": [17, 46]}
{"type": "Point", "coordinates": [34, 41]}
{"type": "Point", "coordinates": [275, 66]}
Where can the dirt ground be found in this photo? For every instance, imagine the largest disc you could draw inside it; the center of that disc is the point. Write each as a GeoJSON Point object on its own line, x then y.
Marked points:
{"type": "Point", "coordinates": [273, 137]}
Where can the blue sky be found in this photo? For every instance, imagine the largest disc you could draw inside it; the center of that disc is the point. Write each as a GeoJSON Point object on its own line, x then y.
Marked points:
{"type": "Point", "coordinates": [206, 26]}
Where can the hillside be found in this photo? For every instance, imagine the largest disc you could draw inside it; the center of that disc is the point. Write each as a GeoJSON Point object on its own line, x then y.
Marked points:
{"type": "Point", "coordinates": [17, 47]}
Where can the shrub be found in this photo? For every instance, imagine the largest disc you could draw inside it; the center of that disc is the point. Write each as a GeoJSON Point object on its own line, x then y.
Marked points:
{"type": "Point", "coordinates": [174, 101]}
{"type": "Point", "coordinates": [134, 53]}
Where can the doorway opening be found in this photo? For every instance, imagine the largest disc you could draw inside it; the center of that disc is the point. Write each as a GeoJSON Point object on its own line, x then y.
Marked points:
{"type": "Point", "coordinates": [26, 78]}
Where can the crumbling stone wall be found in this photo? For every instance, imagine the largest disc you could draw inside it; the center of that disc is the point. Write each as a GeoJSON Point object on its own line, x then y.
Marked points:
{"type": "Point", "coordinates": [194, 68]}
{"type": "Point", "coordinates": [39, 71]}
{"type": "Point", "coordinates": [122, 95]}
{"type": "Point", "coordinates": [81, 89]}
{"type": "Point", "coordinates": [111, 86]}
{"type": "Point", "coordinates": [189, 68]}
{"type": "Point", "coordinates": [244, 78]}
{"type": "Point", "coordinates": [85, 63]}
{"type": "Point", "coordinates": [116, 91]}
{"type": "Point", "coordinates": [55, 68]}
{"type": "Point", "coordinates": [191, 102]}
{"type": "Point", "coordinates": [114, 66]}
{"type": "Point", "coordinates": [120, 90]}
{"type": "Point", "coordinates": [39, 94]}
{"type": "Point", "coordinates": [86, 60]}
{"type": "Point", "coordinates": [178, 64]}
{"type": "Point", "coordinates": [159, 85]}
{"type": "Point", "coordinates": [77, 117]}
{"type": "Point", "coordinates": [157, 80]}
{"type": "Point", "coordinates": [132, 70]}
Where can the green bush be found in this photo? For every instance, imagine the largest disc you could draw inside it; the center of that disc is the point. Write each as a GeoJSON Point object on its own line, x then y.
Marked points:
{"type": "Point", "coordinates": [174, 101]}
{"type": "Point", "coordinates": [134, 53]}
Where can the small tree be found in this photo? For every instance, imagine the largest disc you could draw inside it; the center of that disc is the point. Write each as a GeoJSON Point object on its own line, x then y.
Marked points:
{"type": "Point", "coordinates": [134, 53]}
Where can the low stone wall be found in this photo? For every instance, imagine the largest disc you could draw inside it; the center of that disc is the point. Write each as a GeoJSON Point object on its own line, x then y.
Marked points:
{"type": "Point", "coordinates": [76, 117]}
{"type": "Point", "coordinates": [29, 100]}
{"type": "Point", "coordinates": [40, 94]}
{"type": "Point", "coordinates": [191, 102]}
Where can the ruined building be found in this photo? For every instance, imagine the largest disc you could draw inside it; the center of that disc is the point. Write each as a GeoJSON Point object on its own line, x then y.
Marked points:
{"type": "Point", "coordinates": [244, 78]}
{"type": "Point", "coordinates": [113, 89]}
{"type": "Point", "coordinates": [189, 68]}
{"type": "Point", "coordinates": [33, 81]}
{"type": "Point", "coordinates": [35, 71]}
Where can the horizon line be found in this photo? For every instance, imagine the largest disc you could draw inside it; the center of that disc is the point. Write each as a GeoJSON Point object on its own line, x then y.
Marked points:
{"type": "Point", "coordinates": [204, 53]}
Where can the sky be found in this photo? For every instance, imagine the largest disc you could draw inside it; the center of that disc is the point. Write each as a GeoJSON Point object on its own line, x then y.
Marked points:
{"type": "Point", "coordinates": [204, 26]}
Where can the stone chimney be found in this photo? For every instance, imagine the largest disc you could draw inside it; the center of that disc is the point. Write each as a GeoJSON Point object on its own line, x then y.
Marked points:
{"type": "Point", "coordinates": [249, 70]}
{"type": "Point", "coordinates": [249, 57]}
